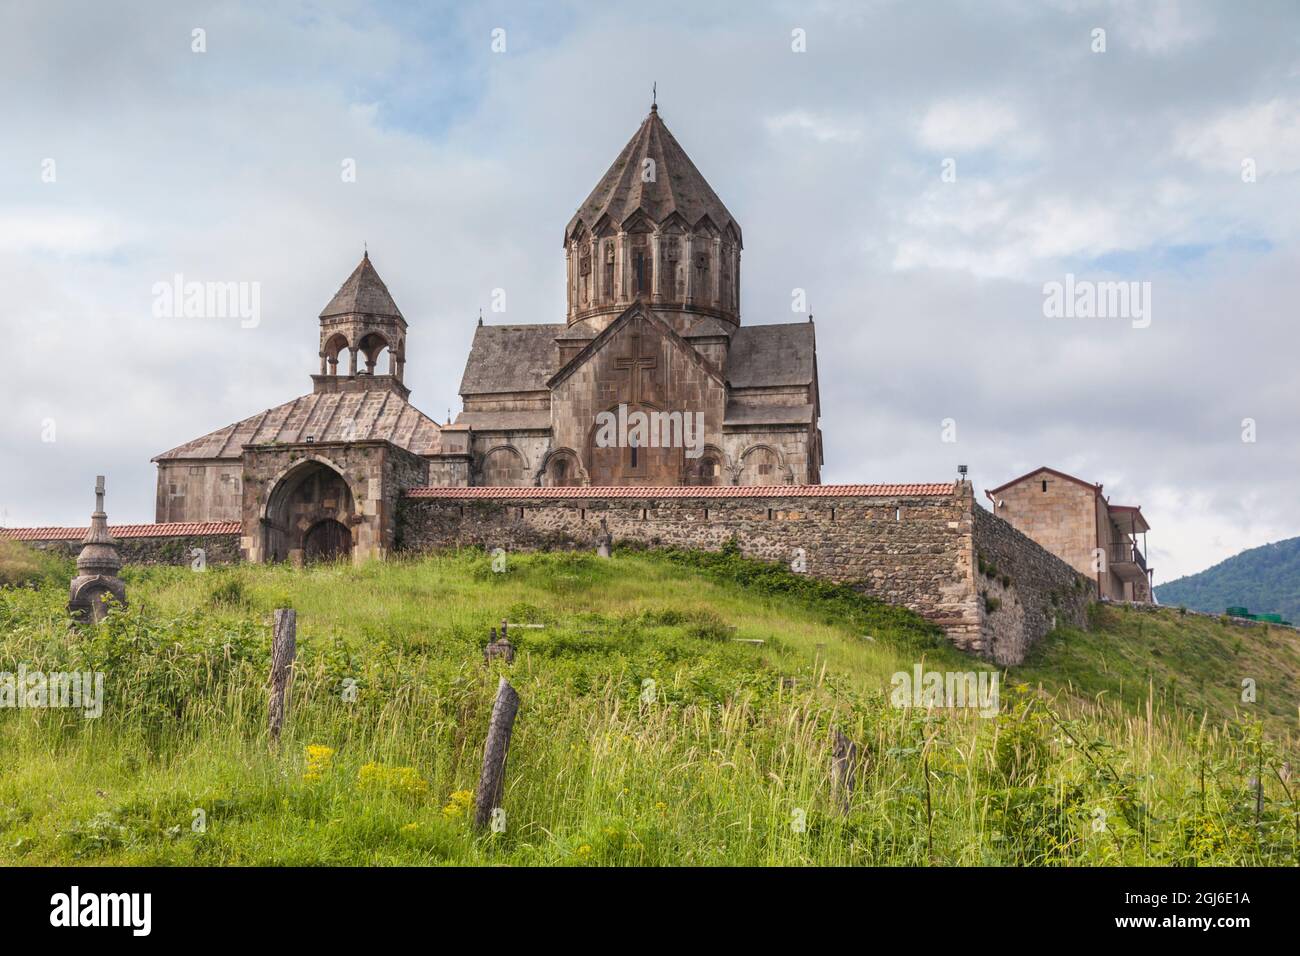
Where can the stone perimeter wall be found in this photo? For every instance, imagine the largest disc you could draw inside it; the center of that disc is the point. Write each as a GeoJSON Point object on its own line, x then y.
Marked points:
{"type": "Point", "coordinates": [919, 552]}
{"type": "Point", "coordinates": [1024, 589]}
{"type": "Point", "coordinates": [994, 591]}
{"type": "Point", "coordinates": [218, 549]}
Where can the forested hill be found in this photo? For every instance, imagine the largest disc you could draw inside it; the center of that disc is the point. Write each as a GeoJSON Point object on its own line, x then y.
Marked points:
{"type": "Point", "coordinates": [1266, 580]}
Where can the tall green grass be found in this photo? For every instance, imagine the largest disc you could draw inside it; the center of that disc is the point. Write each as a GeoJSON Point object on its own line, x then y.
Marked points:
{"type": "Point", "coordinates": [723, 759]}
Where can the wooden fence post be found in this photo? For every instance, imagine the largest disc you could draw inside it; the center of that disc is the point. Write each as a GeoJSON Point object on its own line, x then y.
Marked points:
{"type": "Point", "coordinates": [844, 759]}
{"type": "Point", "coordinates": [492, 780]}
{"type": "Point", "coordinates": [284, 648]}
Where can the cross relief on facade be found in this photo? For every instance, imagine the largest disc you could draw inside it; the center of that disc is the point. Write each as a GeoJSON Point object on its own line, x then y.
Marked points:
{"type": "Point", "coordinates": [633, 364]}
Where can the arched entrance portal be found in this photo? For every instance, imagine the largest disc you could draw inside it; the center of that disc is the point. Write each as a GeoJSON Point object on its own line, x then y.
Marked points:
{"type": "Point", "coordinates": [309, 515]}
{"type": "Point", "coordinates": [327, 540]}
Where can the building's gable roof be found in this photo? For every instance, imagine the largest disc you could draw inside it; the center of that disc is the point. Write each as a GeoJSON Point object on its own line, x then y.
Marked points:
{"type": "Point", "coordinates": [637, 310]}
{"type": "Point", "coordinates": [511, 358]}
{"type": "Point", "coordinates": [676, 189]}
{"type": "Point", "coordinates": [773, 355]}
{"type": "Point", "coordinates": [364, 293]}
{"type": "Point", "coordinates": [329, 416]}
{"type": "Point", "coordinates": [1051, 471]}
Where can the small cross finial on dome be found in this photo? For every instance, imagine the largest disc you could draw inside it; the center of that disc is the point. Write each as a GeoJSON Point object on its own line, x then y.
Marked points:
{"type": "Point", "coordinates": [365, 250]}
{"type": "Point", "coordinates": [480, 316]}
{"type": "Point", "coordinates": [99, 492]}
{"type": "Point", "coordinates": [654, 97]}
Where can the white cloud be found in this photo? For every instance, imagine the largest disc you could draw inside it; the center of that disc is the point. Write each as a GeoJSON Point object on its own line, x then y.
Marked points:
{"type": "Point", "coordinates": [1268, 133]}
{"type": "Point", "coordinates": [966, 124]}
{"type": "Point", "coordinates": [820, 128]}
{"type": "Point", "coordinates": [47, 231]}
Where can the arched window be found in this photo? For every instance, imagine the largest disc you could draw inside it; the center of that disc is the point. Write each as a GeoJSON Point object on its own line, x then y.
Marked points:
{"type": "Point", "coordinates": [708, 471]}
{"type": "Point", "coordinates": [369, 350]}
{"type": "Point", "coordinates": [643, 266]}
{"type": "Point", "coordinates": [702, 287]}
{"type": "Point", "coordinates": [335, 346]}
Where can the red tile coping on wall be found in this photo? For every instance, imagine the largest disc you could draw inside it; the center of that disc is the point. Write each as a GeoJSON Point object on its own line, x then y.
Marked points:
{"type": "Point", "coordinates": [697, 491]}
{"type": "Point", "coordinates": [174, 529]}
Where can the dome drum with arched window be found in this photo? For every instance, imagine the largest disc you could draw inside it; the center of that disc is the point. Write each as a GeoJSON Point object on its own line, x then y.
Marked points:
{"type": "Point", "coordinates": [653, 230]}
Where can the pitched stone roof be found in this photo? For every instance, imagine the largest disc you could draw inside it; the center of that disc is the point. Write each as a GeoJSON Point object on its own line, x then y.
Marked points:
{"type": "Point", "coordinates": [709, 327]}
{"type": "Point", "coordinates": [772, 355]}
{"type": "Point", "coordinates": [173, 529]}
{"type": "Point", "coordinates": [930, 490]}
{"type": "Point", "coordinates": [522, 358]}
{"type": "Point", "coordinates": [677, 187]}
{"type": "Point", "coordinates": [362, 292]}
{"type": "Point", "coordinates": [325, 416]}
{"type": "Point", "coordinates": [511, 358]}
{"type": "Point", "coordinates": [1091, 486]}
{"type": "Point", "coordinates": [635, 312]}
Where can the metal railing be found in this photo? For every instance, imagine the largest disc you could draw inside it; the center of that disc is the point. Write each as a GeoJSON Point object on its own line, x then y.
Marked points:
{"type": "Point", "coordinates": [1126, 553]}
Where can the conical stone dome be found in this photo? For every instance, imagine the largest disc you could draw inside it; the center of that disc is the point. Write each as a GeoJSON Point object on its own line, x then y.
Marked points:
{"type": "Point", "coordinates": [652, 230]}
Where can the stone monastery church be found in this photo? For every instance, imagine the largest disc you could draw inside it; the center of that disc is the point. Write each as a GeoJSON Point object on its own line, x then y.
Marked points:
{"type": "Point", "coordinates": [550, 448]}
{"type": "Point", "coordinates": [652, 325]}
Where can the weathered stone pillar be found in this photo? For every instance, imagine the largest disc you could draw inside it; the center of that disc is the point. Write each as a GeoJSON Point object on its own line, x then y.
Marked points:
{"type": "Point", "coordinates": [715, 293]}
{"type": "Point", "coordinates": [689, 259]}
{"type": "Point", "coordinates": [620, 268]}
{"type": "Point", "coordinates": [97, 568]}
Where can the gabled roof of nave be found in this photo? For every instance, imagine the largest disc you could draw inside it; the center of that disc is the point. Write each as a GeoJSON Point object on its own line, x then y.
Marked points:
{"type": "Point", "coordinates": [363, 292]}
{"type": "Point", "coordinates": [637, 311]}
{"type": "Point", "coordinates": [522, 358]}
{"type": "Point", "coordinates": [677, 188]}
{"type": "Point", "coordinates": [374, 415]}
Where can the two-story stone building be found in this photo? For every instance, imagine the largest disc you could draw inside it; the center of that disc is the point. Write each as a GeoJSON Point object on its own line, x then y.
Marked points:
{"type": "Point", "coordinates": [1074, 520]}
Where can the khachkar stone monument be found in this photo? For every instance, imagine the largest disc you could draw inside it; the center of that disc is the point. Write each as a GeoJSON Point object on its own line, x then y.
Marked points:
{"type": "Point", "coordinates": [97, 567]}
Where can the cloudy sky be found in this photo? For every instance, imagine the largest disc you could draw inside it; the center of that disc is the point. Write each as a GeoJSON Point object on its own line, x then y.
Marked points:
{"type": "Point", "coordinates": [922, 170]}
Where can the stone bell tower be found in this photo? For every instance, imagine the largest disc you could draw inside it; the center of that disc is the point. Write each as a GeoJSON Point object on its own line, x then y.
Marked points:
{"type": "Point", "coordinates": [362, 320]}
{"type": "Point", "coordinates": [97, 568]}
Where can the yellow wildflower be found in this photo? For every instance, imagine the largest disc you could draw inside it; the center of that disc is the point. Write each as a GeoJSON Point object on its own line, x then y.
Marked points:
{"type": "Point", "coordinates": [318, 762]}
{"type": "Point", "coordinates": [402, 780]}
{"type": "Point", "coordinates": [459, 804]}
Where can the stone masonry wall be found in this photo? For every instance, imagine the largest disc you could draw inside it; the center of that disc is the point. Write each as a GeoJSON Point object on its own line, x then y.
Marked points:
{"type": "Point", "coordinates": [218, 549]}
{"type": "Point", "coordinates": [908, 550]}
{"type": "Point", "coordinates": [918, 551]}
{"type": "Point", "coordinates": [1024, 590]}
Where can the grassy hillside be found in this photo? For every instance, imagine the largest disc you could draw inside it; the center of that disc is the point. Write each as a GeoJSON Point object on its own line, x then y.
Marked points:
{"type": "Point", "coordinates": [722, 760]}
{"type": "Point", "coordinates": [1266, 580]}
{"type": "Point", "coordinates": [1178, 661]}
